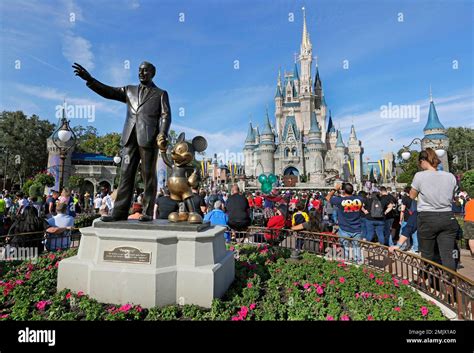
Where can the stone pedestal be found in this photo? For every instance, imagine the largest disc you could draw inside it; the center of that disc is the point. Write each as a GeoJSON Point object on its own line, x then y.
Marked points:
{"type": "Point", "coordinates": [150, 264]}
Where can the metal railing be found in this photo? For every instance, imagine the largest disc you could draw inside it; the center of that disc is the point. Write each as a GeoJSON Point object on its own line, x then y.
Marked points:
{"type": "Point", "coordinates": [439, 282]}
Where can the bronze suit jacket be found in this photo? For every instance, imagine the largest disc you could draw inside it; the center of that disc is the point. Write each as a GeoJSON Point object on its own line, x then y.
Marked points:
{"type": "Point", "coordinates": [150, 117]}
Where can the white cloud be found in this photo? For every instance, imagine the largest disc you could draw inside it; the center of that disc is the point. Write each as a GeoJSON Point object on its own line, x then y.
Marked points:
{"type": "Point", "coordinates": [78, 49]}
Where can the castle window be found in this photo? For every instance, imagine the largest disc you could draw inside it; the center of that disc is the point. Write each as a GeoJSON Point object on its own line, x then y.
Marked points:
{"type": "Point", "coordinates": [287, 152]}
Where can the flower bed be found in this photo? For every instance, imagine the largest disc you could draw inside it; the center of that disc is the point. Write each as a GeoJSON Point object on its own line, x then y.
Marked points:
{"type": "Point", "coordinates": [268, 286]}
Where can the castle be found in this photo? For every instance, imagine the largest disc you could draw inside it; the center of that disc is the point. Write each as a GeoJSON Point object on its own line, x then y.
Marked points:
{"type": "Point", "coordinates": [304, 140]}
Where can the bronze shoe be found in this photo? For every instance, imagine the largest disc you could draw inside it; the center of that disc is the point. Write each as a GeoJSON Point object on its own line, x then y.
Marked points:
{"type": "Point", "coordinates": [173, 217]}
{"type": "Point", "coordinates": [194, 218]}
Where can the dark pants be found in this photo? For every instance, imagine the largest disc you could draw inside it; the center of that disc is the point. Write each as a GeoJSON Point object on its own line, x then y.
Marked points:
{"type": "Point", "coordinates": [438, 230]}
{"type": "Point", "coordinates": [387, 231]}
{"type": "Point", "coordinates": [132, 154]}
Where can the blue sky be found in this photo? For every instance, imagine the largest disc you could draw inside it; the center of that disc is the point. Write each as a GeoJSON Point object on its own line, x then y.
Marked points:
{"type": "Point", "coordinates": [389, 61]}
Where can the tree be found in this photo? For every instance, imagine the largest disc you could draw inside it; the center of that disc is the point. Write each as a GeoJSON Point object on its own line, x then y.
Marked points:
{"type": "Point", "coordinates": [75, 182]}
{"type": "Point", "coordinates": [409, 167]}
{"type": "Point", "coordinates": [111, 144]}
{"type": "Point", "coordinates": [461, 143]}
{"type": "Point", "coordinates": [87, 139]}
{"type": "Point", "coordinates": [467, 182]}
{"type": "Point", "coordinates": [23, 144]}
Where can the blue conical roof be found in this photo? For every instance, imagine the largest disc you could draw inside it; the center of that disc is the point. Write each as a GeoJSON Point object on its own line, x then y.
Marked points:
{"type": "Point", "coordinates": [295, 73]}
{"type": "Point", "coordinates": [330, 124]}
{"type": "Point", "coordinates": [278, 93]}
{"type": "Point", "coordinates": [339, 142]}
{"type": "Point", "coordinates": [267, 128]}
{"type": "Point", "coordinates": [250, 135]}
{"type": "Point", "coordinates": [314, 126]}
{"type": "Point", "coordinates": [433, 120]}
{"type": "Point", "coordinates": [317, 80]}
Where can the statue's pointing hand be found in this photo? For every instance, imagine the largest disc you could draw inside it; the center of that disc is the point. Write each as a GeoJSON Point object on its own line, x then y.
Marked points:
{"type": "Point", "coordinates": [81, 72]}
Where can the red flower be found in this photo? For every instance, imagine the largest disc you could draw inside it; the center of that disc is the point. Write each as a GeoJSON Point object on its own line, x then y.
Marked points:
{"type": "Point", "coordinates": [19, 282]}
{"type": "Point", "coordinates": [80, 294]}
{"type": "Point", "coordinates": [372, 276]}
{"type": "Point", "coordinates": [397, 308]}
{"type": "Point", "coordinates": [5, 316]}
{"type": "Point", "coordinates": [370, 318]}
{"type": "Point", "coordinates": [306, 286]}
{"type": "Point", "coordinates": [56, 264]}
{"type": "Point", "coordinates": [28, 275]}
{"type": "Point", "coordinates": [329, 318]}
{"type": "Point", "coordinates": [342, 279]}
{"type": "Point", "coordinates": [249, 285]}
{"type": "Point", "coordinates": [405, 282]}
{"type": "Point", "coordinates": [41, 305]}
{"type": "Point", "coordinates": [424, 310]}
{"type": "Point", "coordinates": [252, 306]}
{"type": "Point", "coordinates": [320, 290]}
{"type": "Point", "coordinates": [51, 256]}
{"type": "Point", "coordinates": [68, 295]}
{"type": "Point", "coordinates": [345, 318]}
{"type": "Point", "coordinates": [125, 308]}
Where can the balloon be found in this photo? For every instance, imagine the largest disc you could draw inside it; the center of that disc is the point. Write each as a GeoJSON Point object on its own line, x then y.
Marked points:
{"type": "Point", "coordinates": [262, 178]}
{"type": "Point", "coordinates": [272, 178]}
{"type": "Point", "coordinates": [267, 188]}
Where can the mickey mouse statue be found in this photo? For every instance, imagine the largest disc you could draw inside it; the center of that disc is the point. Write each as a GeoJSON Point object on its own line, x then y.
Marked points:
{"type": "Point", "coordinates": [179, 184]}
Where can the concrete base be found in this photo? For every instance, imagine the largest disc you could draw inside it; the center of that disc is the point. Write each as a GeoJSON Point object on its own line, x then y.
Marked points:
{"type": "Point", "coordinates": [149, 267]}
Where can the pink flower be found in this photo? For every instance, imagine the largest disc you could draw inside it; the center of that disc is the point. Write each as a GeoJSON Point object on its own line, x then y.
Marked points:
{"type": "Point", "coordinates": [320, 290]}
{"type": "Point", "coordinates": [236, 318]}
{"type": "Point", "coordinates": [372, 276]}
{"type": "Point", "coordinates": [125, 308]}
{"type": "Point", "coordinates": [357, 295]}
{"type": "Point", "coordinates": [80, 294]}
{"type": "Point", "coordinates": [249, 285]}
{"type": "Point", "coordinates": [232, 248]}
{"type": "Point", "coordinates": [252, 306]}
{"type": "Point", "coordinates": [405, 282]}
{"type": "Point", "coordinates": [397, 308]}
{"type": "Point", "coordinates": [30, 267]}
{"type": "Point", "coordinates": [28, 275]}
{"type": "Point", "coordinates": [41, 305]}
{"type": "Point", "coordinates": [296, 284]}
{"type": "Point", "coordinates": [345, 318]}
{"type": "Point", "coordinates": [306, 285]}
{"type": "Point", "coordinates": [68, 295]}
{"type": "Point", "coordinates": [424, 310]}
{"type": "Point", "coordinates": [370, 318]}
{"type": "Point", "coordinates": [331, 281]}
{"type": "Point", "coordinates": [385, 296]}
{"type": "Point", "coordinates": [329, 318]}
{"type": "Point", "coordinates": [19, 281]}
{"type": "Point", "coordinates": [56, 264]}
{"type": "Point", "coordinates": [243, 311]}
{"type": "Point", "coordinates": [379, 282]}
{"type": "Point", "coordinates": [342, 279]}
{"type": "Point", "coordinates": [51, 256]}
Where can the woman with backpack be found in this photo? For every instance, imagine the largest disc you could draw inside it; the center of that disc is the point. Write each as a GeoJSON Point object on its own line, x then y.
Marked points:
{"type": "Point", "coordinates": [375, 209]}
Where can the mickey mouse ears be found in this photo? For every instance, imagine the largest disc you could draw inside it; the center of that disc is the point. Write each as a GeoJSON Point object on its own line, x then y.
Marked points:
{"type": "Point", "coordinates": [199, 143]}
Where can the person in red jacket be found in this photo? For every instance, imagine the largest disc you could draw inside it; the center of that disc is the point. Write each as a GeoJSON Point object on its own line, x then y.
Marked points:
{"type": "Point", "coordinates": [258, 200]}
{"type": "Point", "coordinates": [276, 222]}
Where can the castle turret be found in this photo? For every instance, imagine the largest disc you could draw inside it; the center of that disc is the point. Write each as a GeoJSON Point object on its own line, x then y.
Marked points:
{"type": "Point", "coordinates": [266, 147]}
{"type": "Point", "coordinates": [355, 153]}
{"type": "Point", "coordinates": [435, 134]}
{"type": "Point", "coordinates": [306, 57]}
{"type": "Point", "coordinates": [316, 150]}
{"type": "Point", "coordinates": [249, 148]}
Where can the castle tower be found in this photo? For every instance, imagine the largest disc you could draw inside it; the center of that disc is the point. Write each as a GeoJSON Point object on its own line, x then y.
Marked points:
{"type": "Point", "coordinates": [278, 103]}
{"type": "Point", "coordinates": [355, 152]}
{"type": "Point", "coordinates": [435, 135]}
{"type": "Point", "coordinates": [306, 58]}
{"type": "Point", "coordinates": [249, 148]}
{"type": "Point", "coordinates": [266, 147]}
{"type": "Point", "coordinates": [340, 153]}
{"type": "Point", "coordinates": [316, 150]}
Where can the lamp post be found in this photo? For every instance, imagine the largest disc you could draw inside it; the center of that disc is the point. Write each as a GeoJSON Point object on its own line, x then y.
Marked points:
{"type": "Point", "coordinates": [117, 160]}
{"type": "Point", "coordinates": [64, 139]}
{"type": "Point", "coordinates": [406, 154]}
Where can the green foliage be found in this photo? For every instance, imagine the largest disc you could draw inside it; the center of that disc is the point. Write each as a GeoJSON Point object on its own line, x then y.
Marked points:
{"type": "Point", "coordinates": [26, 186]}
{"type": "Point", "coordinates": [461, 143]}
{"type": "Point", "coordinates": [35, 190]}
{"type": "Point", "coordinates": [467, 182]}
{"type": "Point", "coordinates": [267, 286]}
{"type": "Point", "coordinates": [409, 167]}
{"type": "Point", "coordinates": [23, 144]}
{"type": "Point", "coordinates": [89, 141]}
{"type": "Point", "coordinates": [45, 179]}
{"type": "Point", "coordinates": [75, 182]}
{"type": "Point", "coordinates": [85, 219]}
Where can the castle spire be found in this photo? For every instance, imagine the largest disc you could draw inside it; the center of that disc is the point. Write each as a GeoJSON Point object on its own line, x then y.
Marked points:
{"type": "Point", "coordinates": [305, 42]}
{"type": "Point", "coordinates": [339, 142]}
{"type": "Point", "coordinates": [267, 129]}
{"type": "Point", "coordinates": [353, 135]}
{"type": "Point", "coordinates": [250, 135]}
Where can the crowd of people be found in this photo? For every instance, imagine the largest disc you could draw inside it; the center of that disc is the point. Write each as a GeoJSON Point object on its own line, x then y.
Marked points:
{"type": "Point", "coordinates": [420, 219]}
